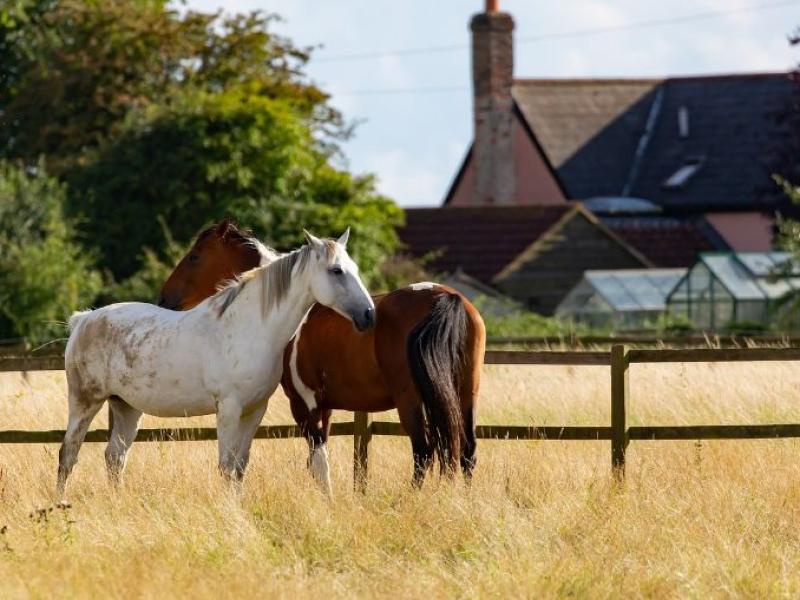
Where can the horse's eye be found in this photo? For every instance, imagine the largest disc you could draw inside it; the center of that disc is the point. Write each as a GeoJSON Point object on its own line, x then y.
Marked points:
{"type": "Point", "coordinates": [337, 270]}
{"type": "Point", "coordinates": [194, 258]}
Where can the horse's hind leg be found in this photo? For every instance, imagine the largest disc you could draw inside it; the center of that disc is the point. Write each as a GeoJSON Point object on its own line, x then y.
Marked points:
{"type": "Point", "coordinates": [469, 451]}
{"type": "Point", "coordinates": [469, 386]}
{"type": "Point", "coordinates": [126, 425]}
{"type": "Point", "coordinates": [81, 413]}
{"type": "Point", "coordinates": [413, 420]}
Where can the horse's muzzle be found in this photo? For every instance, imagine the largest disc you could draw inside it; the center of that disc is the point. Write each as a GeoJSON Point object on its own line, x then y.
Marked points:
{"type": "Point", "coordinates": [365, 320]}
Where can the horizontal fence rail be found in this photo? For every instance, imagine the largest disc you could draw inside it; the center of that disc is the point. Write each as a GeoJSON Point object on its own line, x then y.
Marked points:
{"type": "Point", "coordinates": [645, 338]}
{"type": "Point", "coordinates": [363, 428]}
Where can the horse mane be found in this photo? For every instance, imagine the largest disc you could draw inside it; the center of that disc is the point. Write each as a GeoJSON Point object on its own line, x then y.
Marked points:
{"type": "Point", "coordinates": [275, 278]}
{"type": "Point", "coordinates": [244, 237]}
{"type": "Point", "coordinates": [268, 255]}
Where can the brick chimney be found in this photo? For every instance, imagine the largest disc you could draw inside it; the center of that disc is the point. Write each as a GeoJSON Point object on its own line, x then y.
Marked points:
{"type": "Point", "coordinates": [492, 76]}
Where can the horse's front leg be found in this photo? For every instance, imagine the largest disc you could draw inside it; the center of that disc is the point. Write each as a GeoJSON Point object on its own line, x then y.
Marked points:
{"type": "Point", "coordinates": [247, 430]}
{"type": "Point", "coordinates": [229, 418]}
{"type": "Point", "coordinates": [317, 436]}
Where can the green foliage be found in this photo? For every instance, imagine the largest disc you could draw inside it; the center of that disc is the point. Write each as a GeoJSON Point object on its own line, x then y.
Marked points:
{"type": "Point", "coordinates": [144, 285]}
{"type": "Point", "coordinates": [786, 312]}
{"type": "Point", "coordinates": [229, 154]}
{"type": "Point", "coordinates": [672, 323]}
{"type": "Point", "coordinates": [150, 113]}
{"type": "Point", "coordinates": [75, 69]}
{"type": "Point", "coordinates": [527, 324]}
{"type": "Point", "coordinates": [44, 274]}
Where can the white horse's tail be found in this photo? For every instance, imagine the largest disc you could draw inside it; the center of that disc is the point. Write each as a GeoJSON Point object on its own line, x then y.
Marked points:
{"type": "Point", "coordinates": [75, 319]}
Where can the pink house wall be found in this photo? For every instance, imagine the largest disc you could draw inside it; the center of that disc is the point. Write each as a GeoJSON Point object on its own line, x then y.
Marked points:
{"type": "Point", "coordinates": [744, 232]}
{"type": "Point", "coordinates": [535, 182]}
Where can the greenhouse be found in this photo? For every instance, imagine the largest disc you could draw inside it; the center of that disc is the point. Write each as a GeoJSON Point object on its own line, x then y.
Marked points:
{"type": "Point", "coordinates": [742, 289]}
{"type": "Point", "coordinates": [623, 299]}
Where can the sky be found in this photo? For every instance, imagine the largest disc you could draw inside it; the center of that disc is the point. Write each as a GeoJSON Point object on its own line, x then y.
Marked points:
{"type": "Point", "coordinates": [414, 110]}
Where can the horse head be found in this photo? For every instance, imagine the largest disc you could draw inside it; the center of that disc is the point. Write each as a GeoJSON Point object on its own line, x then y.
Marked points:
{"type": "Point", "coordinates": [335, 281]}
{"type": "Point", "coordinates": [221, 252]}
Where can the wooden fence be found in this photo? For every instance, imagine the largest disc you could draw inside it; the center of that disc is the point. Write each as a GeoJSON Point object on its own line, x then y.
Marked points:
{"type": "Point", "coordinates": [651, 338]}
{"type": "Point", "coordinates": [363, 428]}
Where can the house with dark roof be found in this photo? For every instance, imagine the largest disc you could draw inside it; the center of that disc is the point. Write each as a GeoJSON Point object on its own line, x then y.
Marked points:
{"type": "Point", "coordinates": [533, 254]}
{"type": "Point", "coordinates": [667, 168]}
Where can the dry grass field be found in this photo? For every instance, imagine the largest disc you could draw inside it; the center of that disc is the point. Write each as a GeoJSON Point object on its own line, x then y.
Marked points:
{"type": "Point", "coordinates": [542, 519]}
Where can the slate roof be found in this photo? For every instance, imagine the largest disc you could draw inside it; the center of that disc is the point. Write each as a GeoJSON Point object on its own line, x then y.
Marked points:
{"type": "Point", "coordinates": [479, 240]}
{"type": "Point", "coordinates": [590, 131]}
{"type": "Point", "coordinates": [667, 241]}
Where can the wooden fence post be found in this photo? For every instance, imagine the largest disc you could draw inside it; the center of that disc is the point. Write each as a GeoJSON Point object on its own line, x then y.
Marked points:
{"type": "Point", "coordinates": [362, 435]}
{"type": "Point", "coordinates": [620, 392]}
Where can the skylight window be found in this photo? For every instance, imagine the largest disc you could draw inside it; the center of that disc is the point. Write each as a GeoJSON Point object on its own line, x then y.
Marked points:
{"type": "Point", "coordinates": [684, 173]}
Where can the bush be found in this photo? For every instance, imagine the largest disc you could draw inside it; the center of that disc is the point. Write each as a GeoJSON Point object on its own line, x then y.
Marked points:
{"type": "Point", "coordinates": [231, 154]}
{"type": "Point", "coordinates": [44, 274]}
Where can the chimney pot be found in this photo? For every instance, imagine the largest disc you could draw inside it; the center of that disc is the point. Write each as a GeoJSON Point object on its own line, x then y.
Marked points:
{"type": "Point", "coordinates": [492, 6]}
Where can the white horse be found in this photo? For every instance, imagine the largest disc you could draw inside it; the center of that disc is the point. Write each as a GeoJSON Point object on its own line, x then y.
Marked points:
{"type": "Point", "coordinates": [224, 356]}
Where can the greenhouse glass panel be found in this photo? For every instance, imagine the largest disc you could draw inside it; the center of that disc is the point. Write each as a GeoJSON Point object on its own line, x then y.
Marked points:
{"type": "Point", "coordinates": [774, 290]}
{"type": "Point", "coordinates": [720, 292]}
{"type": "Point", "coordinates": [699, 282]}
{"type": "Point", "coordinates": [733, 276]}
{"type": "Point", "coordinates": [751, 312]}
{"type": "Point", "coordinates": [765, 264]}
{"type": "Point", "coordinates": [666, 280]}
{"type": "Point", "coordinates": [646, 295]}
{"type": "Point", "coordinates": [759, 264]}
{"type": "Point", "coordinates": [610, 288]}
{"type": "Point", "coordinates": [678, 309]}
{"type": "Point", "coordinates": [701, 314]}
{"type": "Point", "coordinates": [723, 313]}
{"type": "Point", "coordinates": [680, 293]}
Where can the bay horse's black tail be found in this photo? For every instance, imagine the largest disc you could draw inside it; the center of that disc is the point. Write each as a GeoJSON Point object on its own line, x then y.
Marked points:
{"type": "Point", "coordinates": [435, 350]}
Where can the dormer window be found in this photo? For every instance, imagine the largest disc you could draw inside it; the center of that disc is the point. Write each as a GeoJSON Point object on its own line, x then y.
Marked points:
{"type": "Point", "coordinates": [685, 172]}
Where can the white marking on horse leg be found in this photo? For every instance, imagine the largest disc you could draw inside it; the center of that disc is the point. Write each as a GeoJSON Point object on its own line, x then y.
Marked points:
{"type": "Point", "coordinates": [422, 285]}
{"type": "Point", "coordinates": [306, 393]}
{"type": "Point", "coordinates": [320, 469]}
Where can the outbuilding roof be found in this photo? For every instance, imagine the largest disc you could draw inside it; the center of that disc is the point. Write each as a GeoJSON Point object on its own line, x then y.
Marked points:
{"type": "Point", "coordinates": [479, 240]}
{"type": "Point", "coordinates": [635, 289]}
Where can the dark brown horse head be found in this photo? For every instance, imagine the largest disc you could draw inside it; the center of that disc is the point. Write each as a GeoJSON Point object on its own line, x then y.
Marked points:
{"type": "Point", "coordinates": [221, 252]}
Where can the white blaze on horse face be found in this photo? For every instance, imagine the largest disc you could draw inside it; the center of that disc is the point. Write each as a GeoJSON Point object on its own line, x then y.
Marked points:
{"type": "Point", "coordinates": [422, 285]}
{"type": "Point", "coordinates": [306, 393]}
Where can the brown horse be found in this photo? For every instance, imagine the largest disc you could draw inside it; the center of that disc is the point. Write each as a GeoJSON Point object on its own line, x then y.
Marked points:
{"type": "Point", "coordinates": [423, 357]}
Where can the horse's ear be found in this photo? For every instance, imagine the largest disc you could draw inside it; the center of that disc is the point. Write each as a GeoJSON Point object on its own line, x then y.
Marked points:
{"type": "Point", "coordinates": [344, 237]}
{"type": "Point", "coordinates": [312, 240]}
{"type": "Point", "coordinates": [224, 228]}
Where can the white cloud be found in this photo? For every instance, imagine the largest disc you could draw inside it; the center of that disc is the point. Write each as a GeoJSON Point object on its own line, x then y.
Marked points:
{"type": "Point", "coordinates": [406, 180]}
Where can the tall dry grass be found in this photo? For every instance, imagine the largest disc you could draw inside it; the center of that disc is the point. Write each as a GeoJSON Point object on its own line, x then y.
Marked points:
{"type": "Point", "coordinates": [542, 519]}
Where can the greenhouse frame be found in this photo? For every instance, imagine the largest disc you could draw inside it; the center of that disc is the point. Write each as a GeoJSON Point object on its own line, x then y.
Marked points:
{"type": "Point", "coordinates": [734, 289]}
{"type": "Point", "coordinates": [623, 298]}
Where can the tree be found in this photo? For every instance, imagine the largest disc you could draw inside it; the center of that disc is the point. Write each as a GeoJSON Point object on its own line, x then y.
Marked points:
{"type": "Point", "coordinates": [44, 274]}
{"type": "Point", "coordinates": [74, 69]}
{"type": "Point", "coordinates": [152, 114]}
{"type": "Point", "coordinates": [206, 156]}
